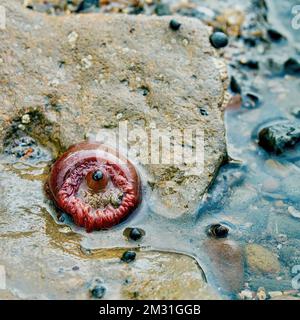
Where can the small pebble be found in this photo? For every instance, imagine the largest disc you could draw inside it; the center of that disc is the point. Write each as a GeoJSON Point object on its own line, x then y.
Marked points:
{"type": "Point", "coordinates": [246, 295]}
{"type": "Point", "coordinates": [261, 294]}
{"type": "Point", "coordinates": [87, 62]}
{"type": "Point", "coordinates": [65, 230]}
{"type": "Point", "coordinates": [251, 101]}
{"type": "Point", "coordinates": [135, 234]}
{"type": "Point", "coordinates": [128, 256]}
{"type": "Point", "coordinates": [72, 37]}
{"type": "Point", "coordinates": [21, 127]}
{"type": "Point", "coordinates": [217, 231]}
{"type": "Point", "coordinates": [98, 291]}
{"type": "Point", "coordinates": [87, 5]}
{"type": "Point", "coordinates": [26, 119]}
{"type": "Point", "coordinates": [274, 35]}
{"type": "Point", "coordinates": [203, 112]}
{"type": "Point", "coordinates": [234, 86]}
{"type": "Point", "coordinates": [185, 42]}
{"type": "Point", "coordinates": [218, 40]}
{"type": "Point", "coordinates": [174, 25]}
{"type": "Point", "coordinates": [292, 67]}
{"type": "Point", "coordinates": [251, 64]}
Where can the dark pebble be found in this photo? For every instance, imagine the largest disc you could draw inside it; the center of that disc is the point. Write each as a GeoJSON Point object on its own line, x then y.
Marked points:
{"type": "Point", "coordinates": [218, 39]}
{"type": "Point", "coordinates": [128, 256]}
{"type": "Point", "coordinates": [234, 86]}
{"type": "Point", "coordinates": [87, 5]}
{"type": "Point", "coordinates": [203, 112]}
{"type": "Point", "coordinates": [75, 268]}
{"type": "Point", "coordinates": [251, 101]}
{"type": "Point", "coordinates": [135, 234]}
{"type": "Point", "coordinates": [174, 25]}
{"type": "Point", "coordinates": [275, 35]}
{"type": "Point", "coordinates": [251, 64]}
{"type": "Point", "coordinates": [98, 291]}
{"type": "Point", "coordinates": [217, 231]}
{"type": "Point", "coordinates": [279, 137]}
{"type": "Point", "coordinates": [144, 91]}
{"type": "Point", "coordinates": [292, 67]}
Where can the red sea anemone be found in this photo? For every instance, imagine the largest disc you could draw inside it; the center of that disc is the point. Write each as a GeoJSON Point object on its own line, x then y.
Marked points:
{"type": "Point", "coordinates": [95, 185]}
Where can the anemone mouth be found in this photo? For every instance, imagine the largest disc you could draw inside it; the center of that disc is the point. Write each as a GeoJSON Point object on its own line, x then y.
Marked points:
{"type": "Point", "coordinates": [94, 210]}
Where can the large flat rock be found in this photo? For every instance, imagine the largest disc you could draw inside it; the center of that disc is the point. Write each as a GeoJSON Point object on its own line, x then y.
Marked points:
{"type": "Point", "coordinates": [91, 72]}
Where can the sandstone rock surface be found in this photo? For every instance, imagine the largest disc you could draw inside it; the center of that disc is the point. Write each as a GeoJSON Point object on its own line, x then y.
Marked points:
{"type": "Point", "coordinates": [87, 73]}
{"type": "Point", "coordinates": [166, 276]}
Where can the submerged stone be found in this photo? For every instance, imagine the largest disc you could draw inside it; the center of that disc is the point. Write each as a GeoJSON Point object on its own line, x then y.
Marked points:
{"type": "Point", "coordinates": [274, 35]}
{"type": "Point", "coordinates": [227, 259]}
{"type": "Point", "coordinates": [234, 85]}
{"type": "Point", "coordinates": [251, 64]}
{"type": "Point", "coordinates": [261, 260]}
{"type": "Point", "coordinates": [292, 67]}
{"type": "Point", "coordinates": [217, 231]}
{"type": "Point", "coordinates": [279, 137]}
{"type": "Point", "coordinates": [251, 101]}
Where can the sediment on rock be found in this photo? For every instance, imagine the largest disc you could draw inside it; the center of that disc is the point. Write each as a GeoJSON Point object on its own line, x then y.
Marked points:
{"type": "Point", "coordinates": [136, 70]}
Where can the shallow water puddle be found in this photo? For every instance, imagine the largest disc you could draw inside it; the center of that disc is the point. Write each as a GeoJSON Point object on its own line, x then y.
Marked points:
{"type": "Point", "coordinates": [40, 246]}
